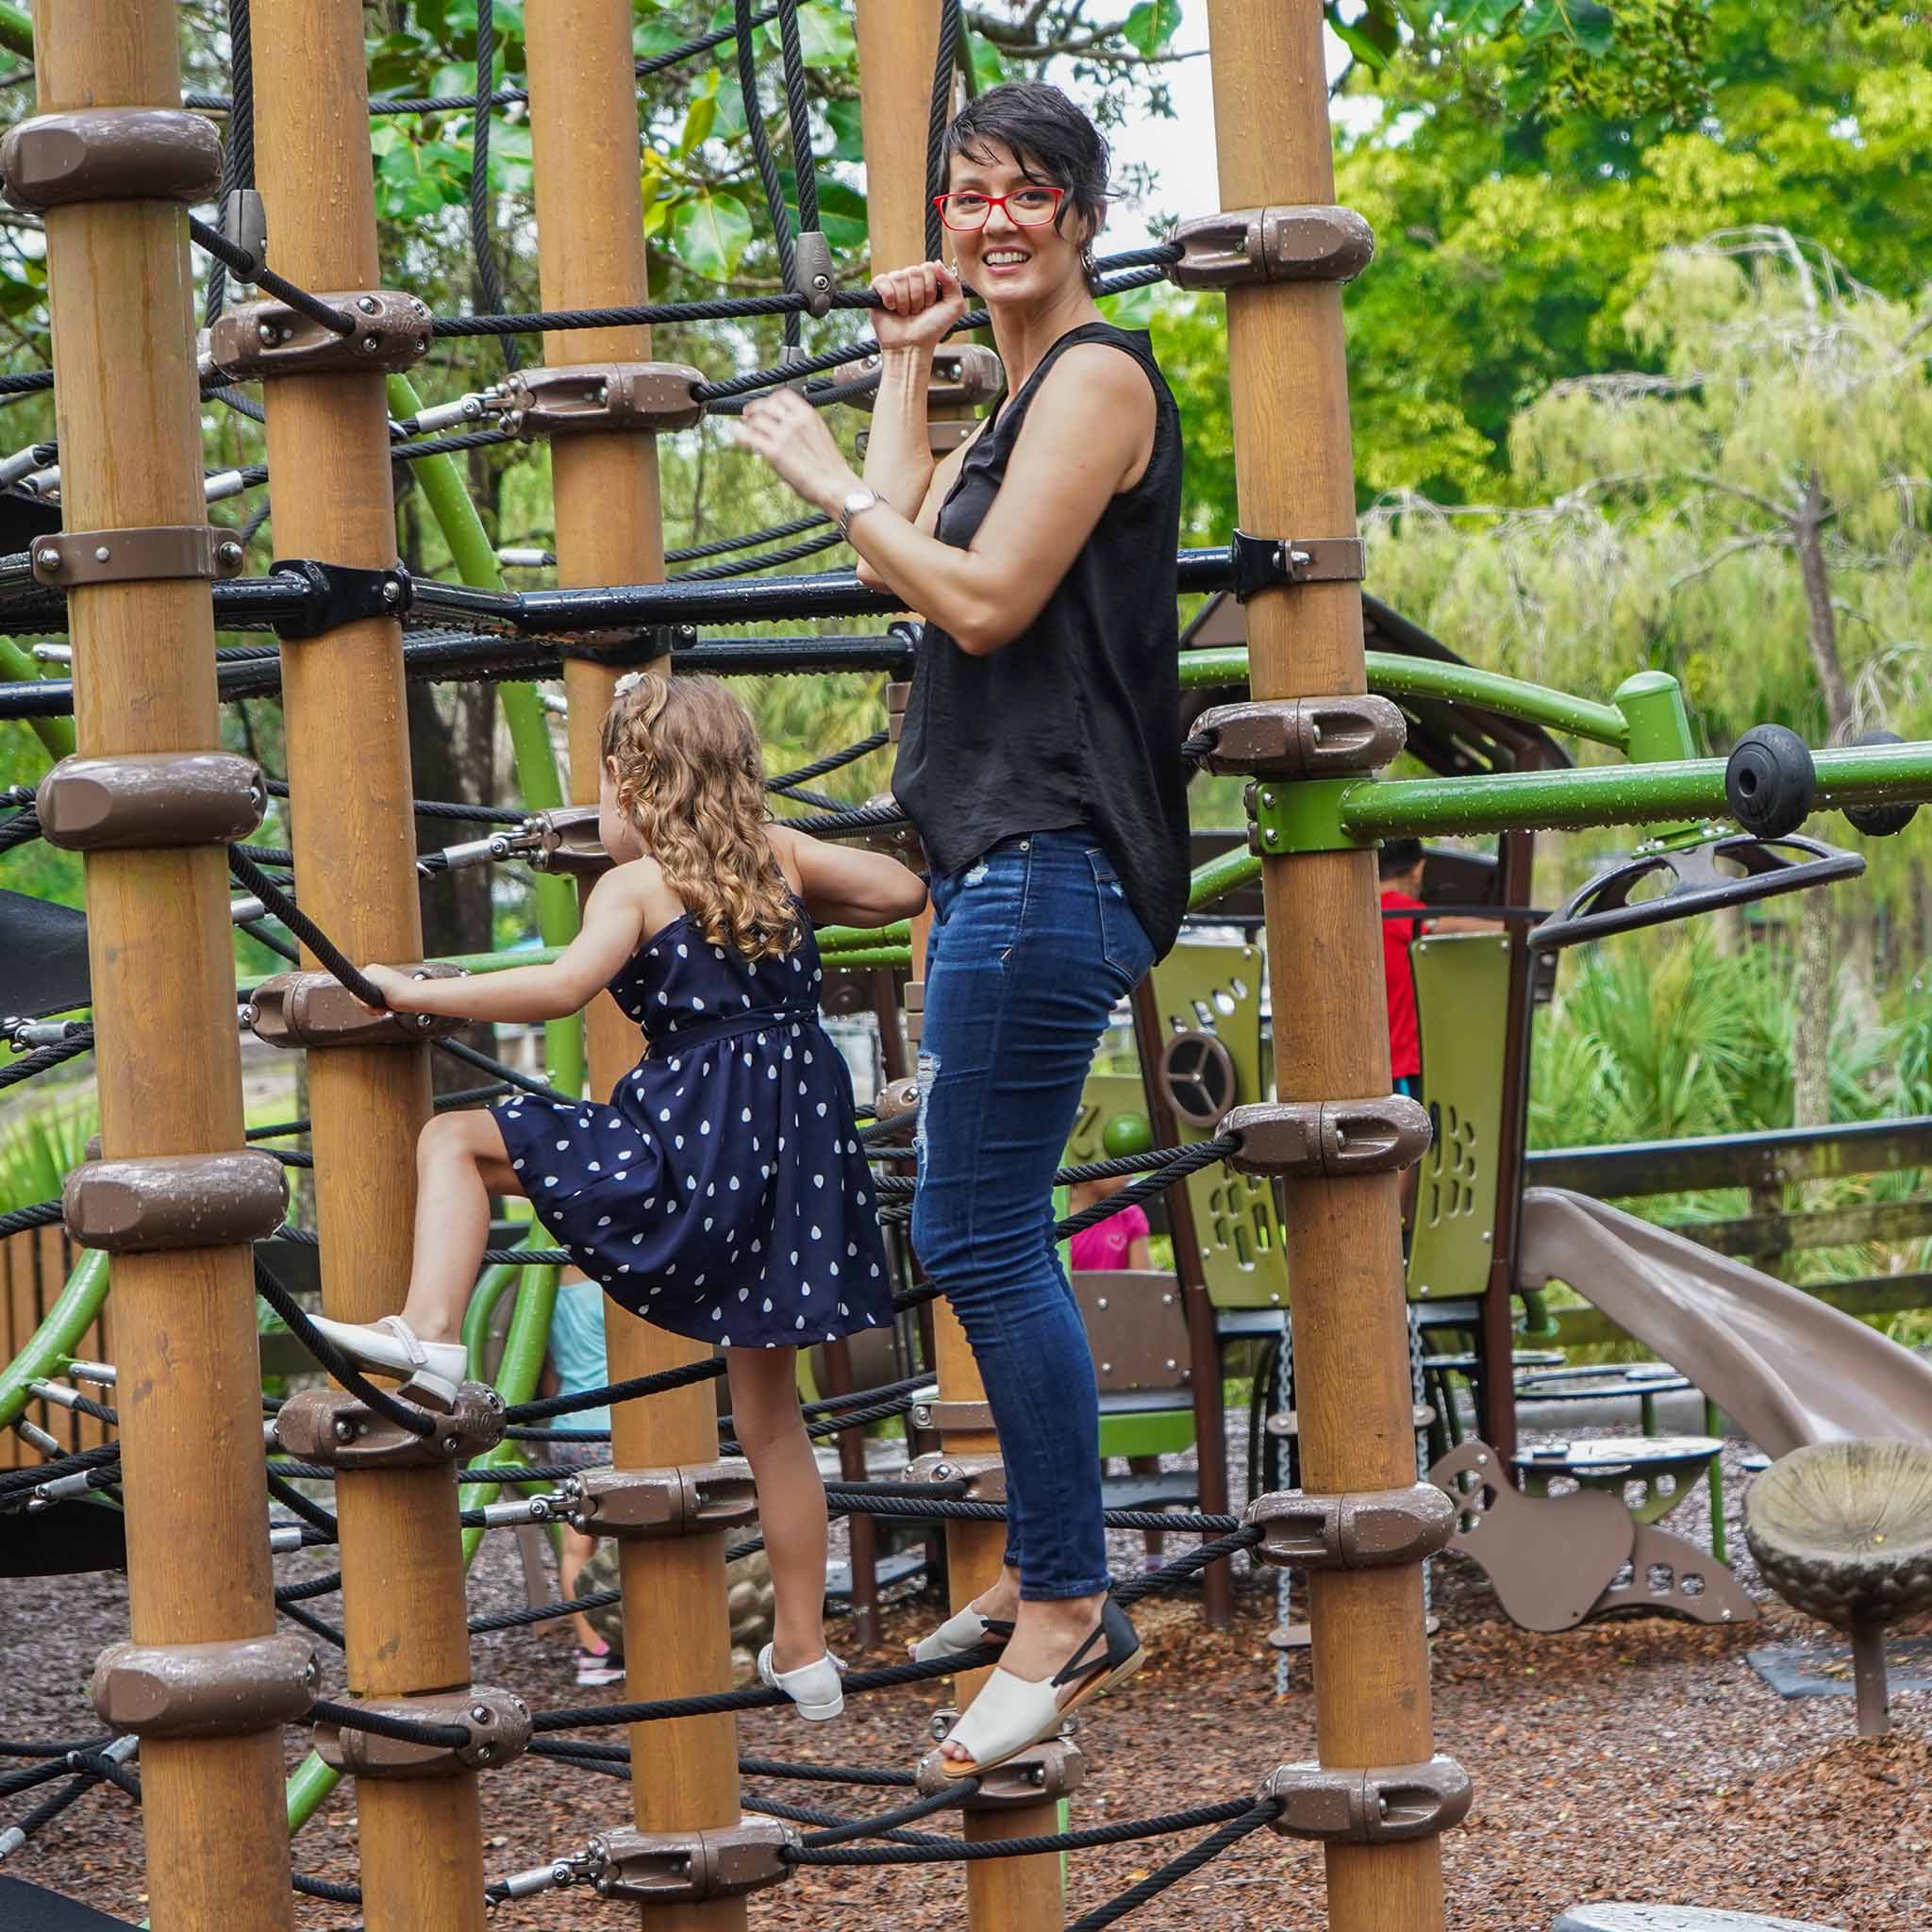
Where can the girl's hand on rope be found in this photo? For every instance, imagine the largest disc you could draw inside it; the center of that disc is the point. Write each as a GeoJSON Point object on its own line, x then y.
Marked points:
{"type": "Point", "coordinates": [792, 436]}
{"type": "Point", "coordinates": [393, 986]}
{"type": "Point", "coordinates": [921, 306]}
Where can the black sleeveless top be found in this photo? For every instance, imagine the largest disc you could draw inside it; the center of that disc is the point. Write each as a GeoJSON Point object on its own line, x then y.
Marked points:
{"type": "Point", "coordinates": [1077, 723]}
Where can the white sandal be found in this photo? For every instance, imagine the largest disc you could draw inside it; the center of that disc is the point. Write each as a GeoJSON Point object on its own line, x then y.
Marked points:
{"type": "Point", "coordinates": [963, 1632]}
{"type": "Point", "coordinates": [1012, 1714]}
{"type": "Point", "coordinates": [433, 1370]}
{"type": "Point", "coordinates": [817, 1688]}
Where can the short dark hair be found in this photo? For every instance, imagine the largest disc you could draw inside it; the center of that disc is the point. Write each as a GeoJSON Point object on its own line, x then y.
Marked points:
{"type": "Point", "coordinates": [1398, 856]}
{"type": "Point", "coordinates": [1047, 134]}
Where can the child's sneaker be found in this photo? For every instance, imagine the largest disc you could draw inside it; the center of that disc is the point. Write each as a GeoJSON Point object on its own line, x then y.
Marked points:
{"type": "Point", "coordinates": [599, 1668]}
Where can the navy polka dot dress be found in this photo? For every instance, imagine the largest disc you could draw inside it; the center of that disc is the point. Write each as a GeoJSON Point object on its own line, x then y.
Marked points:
{"type": "Point", "coordinates": [722, 1193]}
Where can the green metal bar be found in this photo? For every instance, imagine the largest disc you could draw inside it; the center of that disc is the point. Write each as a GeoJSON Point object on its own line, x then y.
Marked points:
{"type": "Point", "coordinates": [16, 31]}
{"type": "Point", "coordinates": [1218, 876]}
{"type": "Point", "coordinates": [1615, 794]}
{"type": "Point", "coordinates": [1652, 702]}
{"type": "Point", "coordinates": [58, 1335]}
{"type": "Point", "coordinates": [57, 734]}
{"type": "Point", "coordinates": [833, 939]}
{"type": "Point", "coordinates": [539, 783]}
{"type": "Point", "coordinates": [870, 956]}
{"type": "Point", "coordinates": [1393, 675]}
{"type": "Point", "coordinates": [523, 1349]}
{"type": "Point", "coordinates": [496, 1282]}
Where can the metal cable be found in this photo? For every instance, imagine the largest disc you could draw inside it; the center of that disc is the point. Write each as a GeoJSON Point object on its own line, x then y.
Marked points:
{"type": "Point", "coordinates": [936, 125]}
{"type": "Point", "coordinates": [767, 163]}
{"type": "Point", "coordinates": [489, 278]}
{"type": "Point", "coordinates": [798, 113]}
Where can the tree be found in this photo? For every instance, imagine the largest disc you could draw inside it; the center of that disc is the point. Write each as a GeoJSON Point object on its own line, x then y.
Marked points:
{"type": "Point", "coordinates": [1753, 514]}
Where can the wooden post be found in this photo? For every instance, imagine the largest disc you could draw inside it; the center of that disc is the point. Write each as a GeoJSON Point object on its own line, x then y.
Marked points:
{"type": "Point", "coordinates": [609, 530]}
{"type": "Point", "coordinates": [166, 1063]}
{"type": "Point", "coordinates": [403, 1601]}
{"type": "Point", "coordinates": [1294, 473]}
{"type": "Point", "coordinates": [898, 48]}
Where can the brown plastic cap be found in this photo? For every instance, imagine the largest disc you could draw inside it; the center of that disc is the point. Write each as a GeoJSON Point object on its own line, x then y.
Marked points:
{"type": "Point", "coordinates": [1365, 1530]}
{"type": "Point", "coordinates": [330, 1425]}
{"type": "Point", "coordinates": [317, 1009]}
{"type": "Point", "coordinates": [149, 799]}
{"type": "Point", "coordinates": [1242, 247]}
{"type": "Point", "coordinates": [174, 1201]}
{"type": "Point", "coordinates": [583, 400]}
{"type": "Point", "coordinates": [205, 1690]}
{"type": "Point", "coordinates": [984, 1476]}
{"type": "Point", "coordinates": [1297, 737]}
{"type": "Point", "coordinates": [1383, 1805]}
{"type": "Point", "coordinates": [111, 153]}
{"type": "Point", "coordinates": [1310, 1139]}
{"type": "Point", "coordinates": [642, 1504]}
{"type": "Point", "coordinates": [268, 339]}
{"type": "Point", "coordinates": [674, 1867]}
{"type": "Point", "coordinates": [498, 1724]}
{"type": "Point", "coordinates": [1039, 1775]}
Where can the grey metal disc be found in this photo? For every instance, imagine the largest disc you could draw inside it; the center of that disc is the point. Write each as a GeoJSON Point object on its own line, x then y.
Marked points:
{"type": "Point", "coordinates": [1610, 1916]}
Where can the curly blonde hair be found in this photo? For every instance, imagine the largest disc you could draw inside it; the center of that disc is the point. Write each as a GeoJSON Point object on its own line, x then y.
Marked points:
{"type": "Point", "coordinates": [691, 778]}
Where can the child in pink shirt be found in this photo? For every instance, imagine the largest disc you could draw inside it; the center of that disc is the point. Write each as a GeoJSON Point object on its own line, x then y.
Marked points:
{"type": "Point", "coordinates": [1118, 1242]}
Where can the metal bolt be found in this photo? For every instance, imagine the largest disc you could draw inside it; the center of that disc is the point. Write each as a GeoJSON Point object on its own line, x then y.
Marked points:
{"type": "Point", "coordinates": [391, 591]}
{"type": "Point", "coordinates": [480, 1713]}
{"type": "Point", "coordinates": [370, 344]}
{"type": "Point", "coordinates": [1314, 732]}
{"type": "Point", "coordinates": [369, 306]}
{"type": "Point", "coordinates": [449, 1445]}
{"type": "Point", "coordinates": [102, 552]}
{"type": "Point", "coordinates": [48, 559]}
{"type": "Point", "coordinates": [1268, 798]}
{"type": "Point", "coordinates": [1103, 1301]}
{"type": "Point", "coordinates": [485, 1753]}
{"type": "Point", "coordinates": [1107, 1368]}
{"type": "Point", "coordinates": [344, 1429]}
{"type": "Point", "coordinates": [822, 282]}
{"type": "Point", "coordinates": [266, 332]}
{"type": "Point", "coordinates": [1271, 837]}
{"type": "Point", "coordinates": [1171, 1363]}
{"type": "Point", "coordinates": [229, 554]}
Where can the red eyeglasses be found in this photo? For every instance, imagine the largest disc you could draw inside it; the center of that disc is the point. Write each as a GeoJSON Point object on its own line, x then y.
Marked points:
{"type": "Point", "coordinates": [967, 210]}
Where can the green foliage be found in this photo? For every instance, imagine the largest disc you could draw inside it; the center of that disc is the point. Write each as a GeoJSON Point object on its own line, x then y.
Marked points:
{"type": "Point", "coordinates": [40, 1151]}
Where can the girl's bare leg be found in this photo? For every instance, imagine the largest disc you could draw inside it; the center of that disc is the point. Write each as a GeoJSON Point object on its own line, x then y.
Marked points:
{"type": "Point", "coordinates": [791, 1496]}
{"type": "Point", "coordinates": [574, 1551]}
{"type": "Point", "coordinates": [460, 1161]}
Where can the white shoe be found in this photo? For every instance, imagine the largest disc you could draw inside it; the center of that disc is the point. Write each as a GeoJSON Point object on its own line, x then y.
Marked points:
{"type": "Point", "coordinates": [434, 1370]}
{"type": "Point", "coordinates": [963, 1631]}
{"type": "Point", "coordinates": [1012, 1714]}
{"type": "Point", "coordinates": [815, 1688]}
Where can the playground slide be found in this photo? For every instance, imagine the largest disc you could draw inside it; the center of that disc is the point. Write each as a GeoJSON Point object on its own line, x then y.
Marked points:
{"type": "Point", "coordinates": [1785, 1368]}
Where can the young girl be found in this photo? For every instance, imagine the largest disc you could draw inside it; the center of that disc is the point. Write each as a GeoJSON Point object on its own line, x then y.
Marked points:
{"type": "Point", "coordinates": [723, 1192]}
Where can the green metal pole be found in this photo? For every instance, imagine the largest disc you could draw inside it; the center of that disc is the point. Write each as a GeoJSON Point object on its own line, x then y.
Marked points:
{"type": "Point", "coordinates": [870, 955]}
{"type": "Point", "coordinates": [1615, 794]}
{"type": "Point", "coordinates": [1393, 675]}
{"type": "Point", "coordinates": [1218, 876]}
{"type": "Point", "coordinates": [57, 734]}
{"type": "Point", "coordinates": [832, 937]}
{"type": "Point", "coordinates": [58, 1335]}
{"type": "Point", "coordinates": [538, 781]}
{"type": "Point", "coordinates": [16, 31]}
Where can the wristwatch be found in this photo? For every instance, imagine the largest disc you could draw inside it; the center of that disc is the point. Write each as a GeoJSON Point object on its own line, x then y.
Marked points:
{"type": "Point", "coordinates": [855, 504]}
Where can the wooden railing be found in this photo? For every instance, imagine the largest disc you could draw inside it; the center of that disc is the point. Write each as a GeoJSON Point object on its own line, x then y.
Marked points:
{"type": "Point", "coordinates": [1766, 1164]}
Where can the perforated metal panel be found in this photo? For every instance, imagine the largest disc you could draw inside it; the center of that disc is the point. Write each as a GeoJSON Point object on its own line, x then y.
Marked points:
{"type": "Point", "coordinates": [1462, 996]}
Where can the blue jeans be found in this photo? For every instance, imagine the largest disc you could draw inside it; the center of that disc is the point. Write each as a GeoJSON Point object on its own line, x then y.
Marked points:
{"type": "Point", "coordinates": [1031, 948]}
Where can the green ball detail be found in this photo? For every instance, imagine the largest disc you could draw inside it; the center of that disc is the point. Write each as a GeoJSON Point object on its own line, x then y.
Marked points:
{"type": "Point", "coordinates": [1126, 1133]}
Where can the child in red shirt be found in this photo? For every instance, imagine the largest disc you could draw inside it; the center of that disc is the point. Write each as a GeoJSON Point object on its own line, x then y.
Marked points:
{"type": "Point", "coordinates": [1399, 865]}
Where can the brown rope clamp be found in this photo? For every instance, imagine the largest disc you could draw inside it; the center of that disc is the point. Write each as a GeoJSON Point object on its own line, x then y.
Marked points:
{"type": "Point", "coordinates": [66, 558]}
{"type": "Point", "coordinates": [964, 376]}
{"type": "Point", "coordinates": [1380, 1807]}
{"type": "Point", "coordinates": [1366, 1529]}
{"type": "Point", "coordinates": [585, 399]}
{"type": "Point", "coordinates": [685, 1867]}
{"type": "Point", "coordinates": [333, 1428]}
{"type": "Point", "coordinates": [135, 1206]}
{"type": "Point", "coordinates": [225, 1690]}
{"type": "Point", "coordinates": [930, 1411]}
{"type": "Point", "coordinates": [498, 1722]}
{"type": "Point", "coordinates": [564, 840]}
{"type": "Point", "coordinates": [1316, 1140]}
{"type": "Point", "coordinates": [898, 1100]}
{"type": "Point", "coordinates": [1039, 1775]}
{"type": "Point", "coordinates": [317, 1009]}
{"type": "Point", "coordinates": [984, 1476]}
{"type": "Point", "coordinates": [1245, 247]}
{"type": "Point", "coordinates": [637, 1505]}
{"type": "Point", "coordinates": [1302, 738]}
{"type": "Point", "coordinates": [111, 154]}
{"type": "Point", "coordinates": [151, 799]}
{"type": "Point", "coordinates": [263, 340]}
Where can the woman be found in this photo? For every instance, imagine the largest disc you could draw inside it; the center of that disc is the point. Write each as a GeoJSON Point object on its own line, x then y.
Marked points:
{"type": "Point", "coordinates": [1040, 763]}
